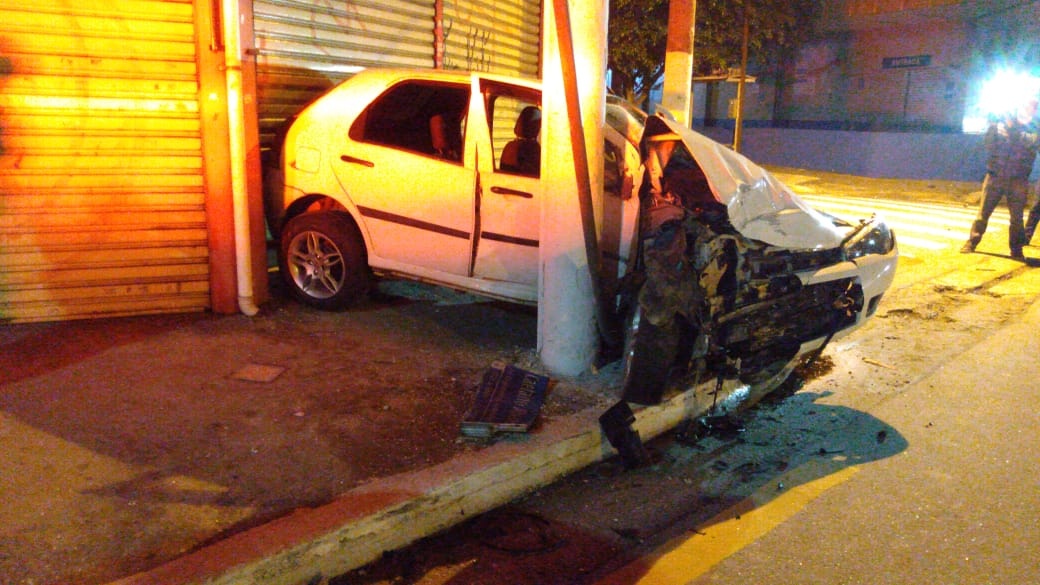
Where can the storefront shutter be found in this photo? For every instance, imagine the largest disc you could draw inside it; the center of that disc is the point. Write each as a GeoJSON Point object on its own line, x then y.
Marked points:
{"type": "Point", "coordinates": [498, 36]}
{"type": "Point", "coordinates": [306, 46]}
{"type": "Point", "coordinates": [102, 202]}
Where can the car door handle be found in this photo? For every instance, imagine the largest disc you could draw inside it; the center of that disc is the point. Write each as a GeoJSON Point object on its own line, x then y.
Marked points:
{"type": "Point", "coordinates": [360, 161]}
{"type": "Point", "coordinates": [514, 192]}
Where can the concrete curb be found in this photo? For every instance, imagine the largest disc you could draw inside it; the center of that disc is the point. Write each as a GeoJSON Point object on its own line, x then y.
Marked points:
{"type": "Point", "coordinates": [390, 513]}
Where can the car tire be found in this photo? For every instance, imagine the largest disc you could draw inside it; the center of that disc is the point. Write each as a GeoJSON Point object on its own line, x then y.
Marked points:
{"type": "Point", "coordinates": [649, 355]}
{"type": "Point", "coordinates": [322, 260]}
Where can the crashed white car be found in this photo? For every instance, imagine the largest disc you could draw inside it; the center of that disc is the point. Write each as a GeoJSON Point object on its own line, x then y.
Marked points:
{"type": "Point", "coordinates": [426, 175]}
{"type": "Point", "coordinates": [433, 176]}
{"type": "Point", "coordinates": [736, 277]}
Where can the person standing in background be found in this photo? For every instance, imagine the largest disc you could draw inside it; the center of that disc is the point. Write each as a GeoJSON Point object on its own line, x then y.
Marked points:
{"type": "Point", "coordinates": [1011, 145]}
{"type": "Point", "coordinates": [1034, 217]}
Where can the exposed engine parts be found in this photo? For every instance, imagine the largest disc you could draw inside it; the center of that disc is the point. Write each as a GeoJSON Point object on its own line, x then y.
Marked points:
{"type": "Point", "coordinates": [706, 301]}
{"type": "Point", "coordinates": [713, 300]}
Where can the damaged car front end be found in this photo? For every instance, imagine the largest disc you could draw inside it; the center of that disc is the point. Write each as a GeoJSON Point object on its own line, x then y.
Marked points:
{"type": "Point", "coordinates": [736, 277]}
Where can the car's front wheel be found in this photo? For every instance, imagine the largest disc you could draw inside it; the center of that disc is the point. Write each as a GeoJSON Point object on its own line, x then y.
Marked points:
{"type": "Point", "coordinates": [322, 260]}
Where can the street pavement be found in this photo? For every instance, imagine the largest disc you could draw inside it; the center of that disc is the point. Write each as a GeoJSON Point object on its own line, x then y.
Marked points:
{"type": "Point", "coordinates": [955, 503]}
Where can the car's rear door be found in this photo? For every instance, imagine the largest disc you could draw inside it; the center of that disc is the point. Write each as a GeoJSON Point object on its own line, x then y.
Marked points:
{"type": "Point", "coordinates": [509, 197]}
{"type": "Point", "coordinates": [404, 168]}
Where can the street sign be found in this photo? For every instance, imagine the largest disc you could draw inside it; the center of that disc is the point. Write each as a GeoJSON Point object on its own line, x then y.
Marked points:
{"type": "Point", "coordinates": [904, 62]}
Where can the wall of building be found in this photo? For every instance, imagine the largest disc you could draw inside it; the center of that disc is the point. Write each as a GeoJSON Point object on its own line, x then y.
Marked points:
{"type": "Point", "coordinates": [900, 77]}
{"type": "Point", "coordinates": [883, 90]}
{"type": "Point", "coordinates": [909, 76]}
{"type": "Point", "coordinates": [908, 155]}
{"type": "Point", "coordinates": [714, 103]}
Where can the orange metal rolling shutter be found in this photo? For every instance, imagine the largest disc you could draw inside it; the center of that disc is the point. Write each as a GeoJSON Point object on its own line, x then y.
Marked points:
{"type": "Point", "coordinates": [102, 201]}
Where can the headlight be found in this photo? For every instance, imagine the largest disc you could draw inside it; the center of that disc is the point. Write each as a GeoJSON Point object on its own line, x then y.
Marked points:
{"type": "Point", "coordinates": [873, 237]}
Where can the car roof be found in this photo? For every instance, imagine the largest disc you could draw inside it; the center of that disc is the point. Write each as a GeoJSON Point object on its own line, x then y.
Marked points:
{"type": "Point", "coordinates": [391, 75]}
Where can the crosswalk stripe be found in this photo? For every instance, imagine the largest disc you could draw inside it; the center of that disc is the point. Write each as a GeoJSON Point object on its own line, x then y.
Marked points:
{"type": "Point", "coordinates": [918, 226]}
{"type": "Point", "coordinates": [911, 211]}
{"type": "Point", "coordinates": [919, 242]}
{"type": "Point", "coordinates": [895, 204]}
{"type": "Point", "coordinates": [909, 216]}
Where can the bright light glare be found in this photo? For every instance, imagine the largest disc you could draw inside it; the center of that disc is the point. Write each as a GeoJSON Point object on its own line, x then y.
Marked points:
{"type": "Point", "coordinates": [1002, 94]}
{"type": "Point", "coordinates": [1008, 90]}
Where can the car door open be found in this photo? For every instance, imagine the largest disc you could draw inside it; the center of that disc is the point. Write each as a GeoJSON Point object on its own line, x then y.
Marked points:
{"type": "Point", "coordinates": [509, 205]}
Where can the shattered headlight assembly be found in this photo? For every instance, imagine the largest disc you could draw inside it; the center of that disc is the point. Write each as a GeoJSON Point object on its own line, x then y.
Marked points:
{"type": "Point", "coordinates": [872, 237]}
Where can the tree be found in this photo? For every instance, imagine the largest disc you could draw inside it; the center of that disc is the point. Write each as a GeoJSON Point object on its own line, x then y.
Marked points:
{"type": "Point", "coordinates": [638, 31]}
{"type": "Point", "coordinates": [636, 37]}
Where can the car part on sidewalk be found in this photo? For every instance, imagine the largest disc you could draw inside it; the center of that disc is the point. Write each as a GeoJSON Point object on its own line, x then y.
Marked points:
{"type": "Point", "coordinates": [616, 423]}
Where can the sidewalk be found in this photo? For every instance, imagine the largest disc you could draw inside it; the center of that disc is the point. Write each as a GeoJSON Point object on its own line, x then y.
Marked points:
{"type": "Point", "coordinates": [206, 449]}
{"type": "Point", "coordinates": [128, 443]}
{"type": "Point", "coordinates": [228, 449]}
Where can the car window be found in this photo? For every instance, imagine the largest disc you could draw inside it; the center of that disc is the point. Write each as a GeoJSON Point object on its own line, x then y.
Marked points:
{"type": "Point", "coordinates": [514, 123]}
{"type": "Point", "coordinates": [418, 116]}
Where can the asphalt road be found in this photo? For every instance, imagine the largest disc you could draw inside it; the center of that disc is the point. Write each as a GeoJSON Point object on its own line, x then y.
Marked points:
{"type": "Point", "coordinates": [908, 455]}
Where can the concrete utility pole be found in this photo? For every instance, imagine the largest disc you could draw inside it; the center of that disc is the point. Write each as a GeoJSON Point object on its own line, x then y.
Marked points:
{"type": "Point", "coordinates": [678, 60]}
{"type": "Point", "coordinates": [573, 98]}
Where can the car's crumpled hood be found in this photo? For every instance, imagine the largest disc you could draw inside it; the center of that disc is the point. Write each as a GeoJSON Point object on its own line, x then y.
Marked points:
{"type": "Point", "coordinates": [760, 206]}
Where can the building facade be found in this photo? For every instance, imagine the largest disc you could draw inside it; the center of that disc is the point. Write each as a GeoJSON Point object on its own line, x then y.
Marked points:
{"type": "Point", "coordinates": [880, 65]}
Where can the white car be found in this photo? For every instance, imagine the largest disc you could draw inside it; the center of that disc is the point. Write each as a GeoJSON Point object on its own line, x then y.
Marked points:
{"type": "Point", "coordinates": [433, 176]}
{"type": "Point", "coordinates": [428, 175]}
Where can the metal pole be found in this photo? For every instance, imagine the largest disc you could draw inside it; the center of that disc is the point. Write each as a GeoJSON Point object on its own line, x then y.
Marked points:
{"type": "Point", "coordinates": [739, 121]}
{"type": "Point", "coordinates": [237, 146]}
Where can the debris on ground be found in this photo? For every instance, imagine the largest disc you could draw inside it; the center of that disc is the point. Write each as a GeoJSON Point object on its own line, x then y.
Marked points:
{"type": "Point", "coordinates": [508, 400]}
{"type": "Point", "coordinates": [721, 426]}
{"type": "Point", "coordinates": [874, 362]}
{"type": "Point", "coordinates": [616, 423]}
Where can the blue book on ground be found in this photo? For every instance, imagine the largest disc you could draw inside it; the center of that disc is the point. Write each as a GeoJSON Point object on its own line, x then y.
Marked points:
{"type": "Point", "coordinates": [508, 400]}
